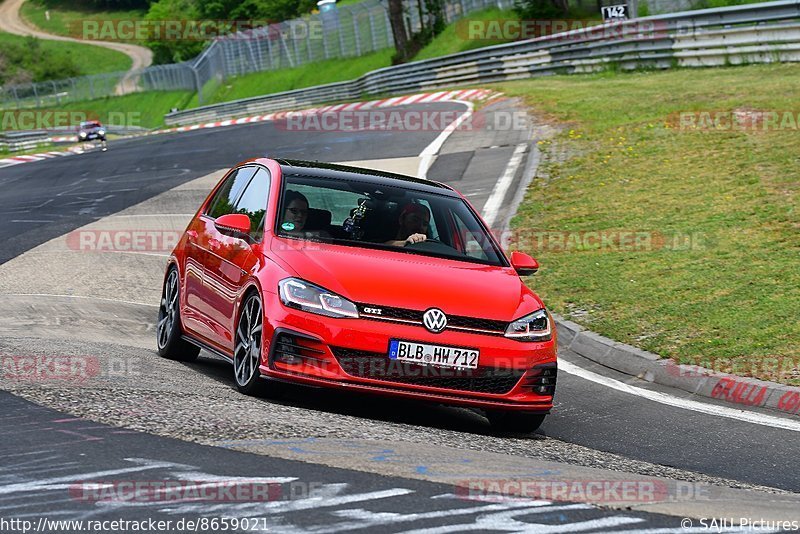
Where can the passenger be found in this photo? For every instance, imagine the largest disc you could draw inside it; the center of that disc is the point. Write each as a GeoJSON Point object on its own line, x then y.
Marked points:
{"type": "Point", "coordinates": [296, 213]}
{"type": "Point", "coordinates": [413, 223]}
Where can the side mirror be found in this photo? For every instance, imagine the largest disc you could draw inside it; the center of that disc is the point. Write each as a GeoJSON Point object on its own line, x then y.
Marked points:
{"type": "Point", "coordinates": [236, 224]}
{"type": "Point", "coordinates": [524, 264]}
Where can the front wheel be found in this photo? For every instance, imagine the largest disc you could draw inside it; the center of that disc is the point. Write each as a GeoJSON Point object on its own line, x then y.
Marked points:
{"type": "Point", "coordinates": [247, 352]}
{"type": "Point", "coordinates": [516, 422]}
{"type": "Point", "coordinates": [168, 328]}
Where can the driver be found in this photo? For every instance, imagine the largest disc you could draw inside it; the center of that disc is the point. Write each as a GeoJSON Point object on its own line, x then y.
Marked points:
{"type": "Point", "coordinates": [414, 221]}
{"type": "Point", "coordinates": [296, 212]}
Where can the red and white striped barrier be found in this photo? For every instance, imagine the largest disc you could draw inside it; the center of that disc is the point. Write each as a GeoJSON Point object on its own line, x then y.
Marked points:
{"type": "Point", "coordinates": [15, 160]}
{"type": "Point", "coordinates": [421, 98]}
{"type": "Point", "coordinates": [472, 95]}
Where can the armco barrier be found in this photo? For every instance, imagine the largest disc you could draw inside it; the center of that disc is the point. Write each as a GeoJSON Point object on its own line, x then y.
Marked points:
{"type": "Point", "coordinates": [753, 33]}
{"type": "Point", "coordinates": [16, 141]}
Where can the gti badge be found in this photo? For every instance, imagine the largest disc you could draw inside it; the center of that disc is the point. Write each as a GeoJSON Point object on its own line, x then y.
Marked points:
{"type": "Point", "coordinates": [434, 320]}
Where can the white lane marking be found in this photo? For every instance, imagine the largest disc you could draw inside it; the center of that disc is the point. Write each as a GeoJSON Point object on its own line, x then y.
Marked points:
{"type": "Point", "coordinates": [134, 252]}
{"type": "Point", "coordinates": [430, 151]}
{"type": "Point", "coordinates": [115, 216]}
{"type": "Point", "coordinates": [686, 404]}
{"type": "Point", "coordinates": [58, 482]}
{"type": "Point", "coordinates": [505, 521]}
{"type": "Point", "coordinates": [280, 507]}
{"type": "Point", "coordinates": [79, 297]}
{"type": "Point", "coordinates": [361, 518]}
{"type": "Point", "coordinates": [495, 201]}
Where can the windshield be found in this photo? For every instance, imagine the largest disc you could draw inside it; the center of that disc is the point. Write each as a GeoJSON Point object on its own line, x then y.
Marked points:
{"type": "Point", "coordinates": [363, 213]}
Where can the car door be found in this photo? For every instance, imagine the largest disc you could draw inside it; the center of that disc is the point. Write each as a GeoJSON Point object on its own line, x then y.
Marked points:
{"type": "Point", "coordinates": [232, 259]}
{"type": "Point", "coordinates": [201, 248]}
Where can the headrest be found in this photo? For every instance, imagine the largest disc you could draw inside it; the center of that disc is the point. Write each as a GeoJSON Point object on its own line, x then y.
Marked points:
{"type": "Point", "coordinates": [317, 219]}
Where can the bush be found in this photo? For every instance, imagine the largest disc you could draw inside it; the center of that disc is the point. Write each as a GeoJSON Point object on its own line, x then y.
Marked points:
{"type": "Point", "coordinates": [32, 63]}
{"type": "Point", "coordinates": [540, 9]}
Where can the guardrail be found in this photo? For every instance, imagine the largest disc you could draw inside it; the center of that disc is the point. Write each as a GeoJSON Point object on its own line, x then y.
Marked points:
{"type": "Point", "coordinates": [753, 33]}
{"type": "Point", "coordinates": [14, 141]}
{"type": "Point", "coordinates": [23, 140]}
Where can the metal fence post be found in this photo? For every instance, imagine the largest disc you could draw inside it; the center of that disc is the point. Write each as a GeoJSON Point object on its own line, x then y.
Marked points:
{"type": "Point", "coordinates": [372, 33]}
{"type": "Point", "coordinates": [197, 85]}
{"type": "Point", "coordinates": [341, 41]}
{"type": "Point", "coordinates": [309, 52]}
{"type": "Point", "coordinates": [356, 32]}
{"type": "Point", "coordinates": [269, 47]}
{"type": "Point", "coordinates": [298, 60]}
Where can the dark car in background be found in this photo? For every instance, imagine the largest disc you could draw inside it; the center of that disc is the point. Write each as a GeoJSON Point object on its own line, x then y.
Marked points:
{"type": "Point", "coordinates": [92, 131]}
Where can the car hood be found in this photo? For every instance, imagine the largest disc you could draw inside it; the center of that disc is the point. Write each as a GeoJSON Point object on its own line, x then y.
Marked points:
{"type": "Point", "coordinates": [412, 281]}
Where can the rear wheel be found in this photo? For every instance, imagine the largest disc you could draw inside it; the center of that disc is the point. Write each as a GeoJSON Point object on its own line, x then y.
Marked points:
{"type": "Point", "coordinates": [516, 422]}
{"type": "Point", "coordinates": [168, 328]}
{"type": "Point", "coordinates": [247, 351]}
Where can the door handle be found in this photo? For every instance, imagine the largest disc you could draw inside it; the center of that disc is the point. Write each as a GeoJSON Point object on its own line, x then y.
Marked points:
{"type": "Point", "coordinates": [192, 234]}
{"type": "Point", "coordinates": [214, 244]}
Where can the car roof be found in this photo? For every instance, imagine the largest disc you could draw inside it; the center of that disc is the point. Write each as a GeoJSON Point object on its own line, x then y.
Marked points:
{"type": "Point", "coordinates": [344, 172]}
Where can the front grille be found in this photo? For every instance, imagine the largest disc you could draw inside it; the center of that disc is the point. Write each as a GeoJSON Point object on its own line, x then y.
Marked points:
{"type": "Point", "coordinates": [378, 366]}
{"type": "Point", "coordinates": [475, 323]}
{"type": "Point", "coordinates": [403, 315]}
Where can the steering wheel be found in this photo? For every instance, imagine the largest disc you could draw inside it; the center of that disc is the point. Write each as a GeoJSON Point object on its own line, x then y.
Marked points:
{"type": "Point", "coordinates": [432, 245]}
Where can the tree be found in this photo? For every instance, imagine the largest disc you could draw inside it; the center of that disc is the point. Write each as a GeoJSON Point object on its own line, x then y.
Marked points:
{"type": "Point", "coordinates": [541, 9]}
{"type": "Point", "coordinates": [398, 30]}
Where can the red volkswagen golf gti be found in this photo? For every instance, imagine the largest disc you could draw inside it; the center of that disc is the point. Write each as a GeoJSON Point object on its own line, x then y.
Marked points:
{"type": "Point", "coordinates": [362, 280]}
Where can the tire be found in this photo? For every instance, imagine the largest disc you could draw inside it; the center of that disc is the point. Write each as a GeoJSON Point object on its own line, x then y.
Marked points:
{"type": "Point", "coordinates": [168, 328]}
{"type": "Point", "coordinates": [248, 346]}
{"type": "Point", "coordinates": [516, 422]}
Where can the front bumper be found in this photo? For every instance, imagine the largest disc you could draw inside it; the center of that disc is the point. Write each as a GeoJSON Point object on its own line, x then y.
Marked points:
{"type": "Point", "coordinates": [352, 354]}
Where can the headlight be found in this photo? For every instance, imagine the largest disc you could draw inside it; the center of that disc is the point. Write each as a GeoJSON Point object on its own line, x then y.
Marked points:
{"type": "Point", "coordinates": [533, 327]}
{"type": "Point", "coordinates": [83, 134]}
{"type": "Point", "coordinates": [299, 294]}
{"type": "Point", "coordinates": [101, 132]}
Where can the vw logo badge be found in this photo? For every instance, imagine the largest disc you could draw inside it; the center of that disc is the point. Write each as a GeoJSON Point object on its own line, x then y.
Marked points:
{"type": "Point", "coordinates": [434, 320]}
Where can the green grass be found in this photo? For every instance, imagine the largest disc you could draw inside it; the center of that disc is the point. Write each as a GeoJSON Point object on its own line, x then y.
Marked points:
{"type": "Point", "coordinates": [455, 39]}
{"type": "Point", "coordinates": [731, 299]}
{"type": "Point", "coordinates": [138, 109]}
{"type": "Point", "coordinates": [341, 3]}
{"type": "Point", "coordinates": [67, 16]}
{"type": "Point", "coordinates": [88, 59]}
{"type": "Point", "coordinates": [317, 73]}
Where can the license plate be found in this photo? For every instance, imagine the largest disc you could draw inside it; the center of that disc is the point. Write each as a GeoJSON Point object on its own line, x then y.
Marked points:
{"type": "Point", "coordinates": [406, 351]}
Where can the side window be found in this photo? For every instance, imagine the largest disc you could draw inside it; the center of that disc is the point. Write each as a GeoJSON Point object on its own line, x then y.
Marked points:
{"type": "Point", "coordinates": [253, 202]}
{"type": "Point", "coordinates": [224, 201]}
{"type": "Point", "coordinates": [471, 240]}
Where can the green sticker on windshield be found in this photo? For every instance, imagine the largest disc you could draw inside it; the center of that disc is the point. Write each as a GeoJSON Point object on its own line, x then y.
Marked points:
{"type": "Point", "coordinates": [288, 226]}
